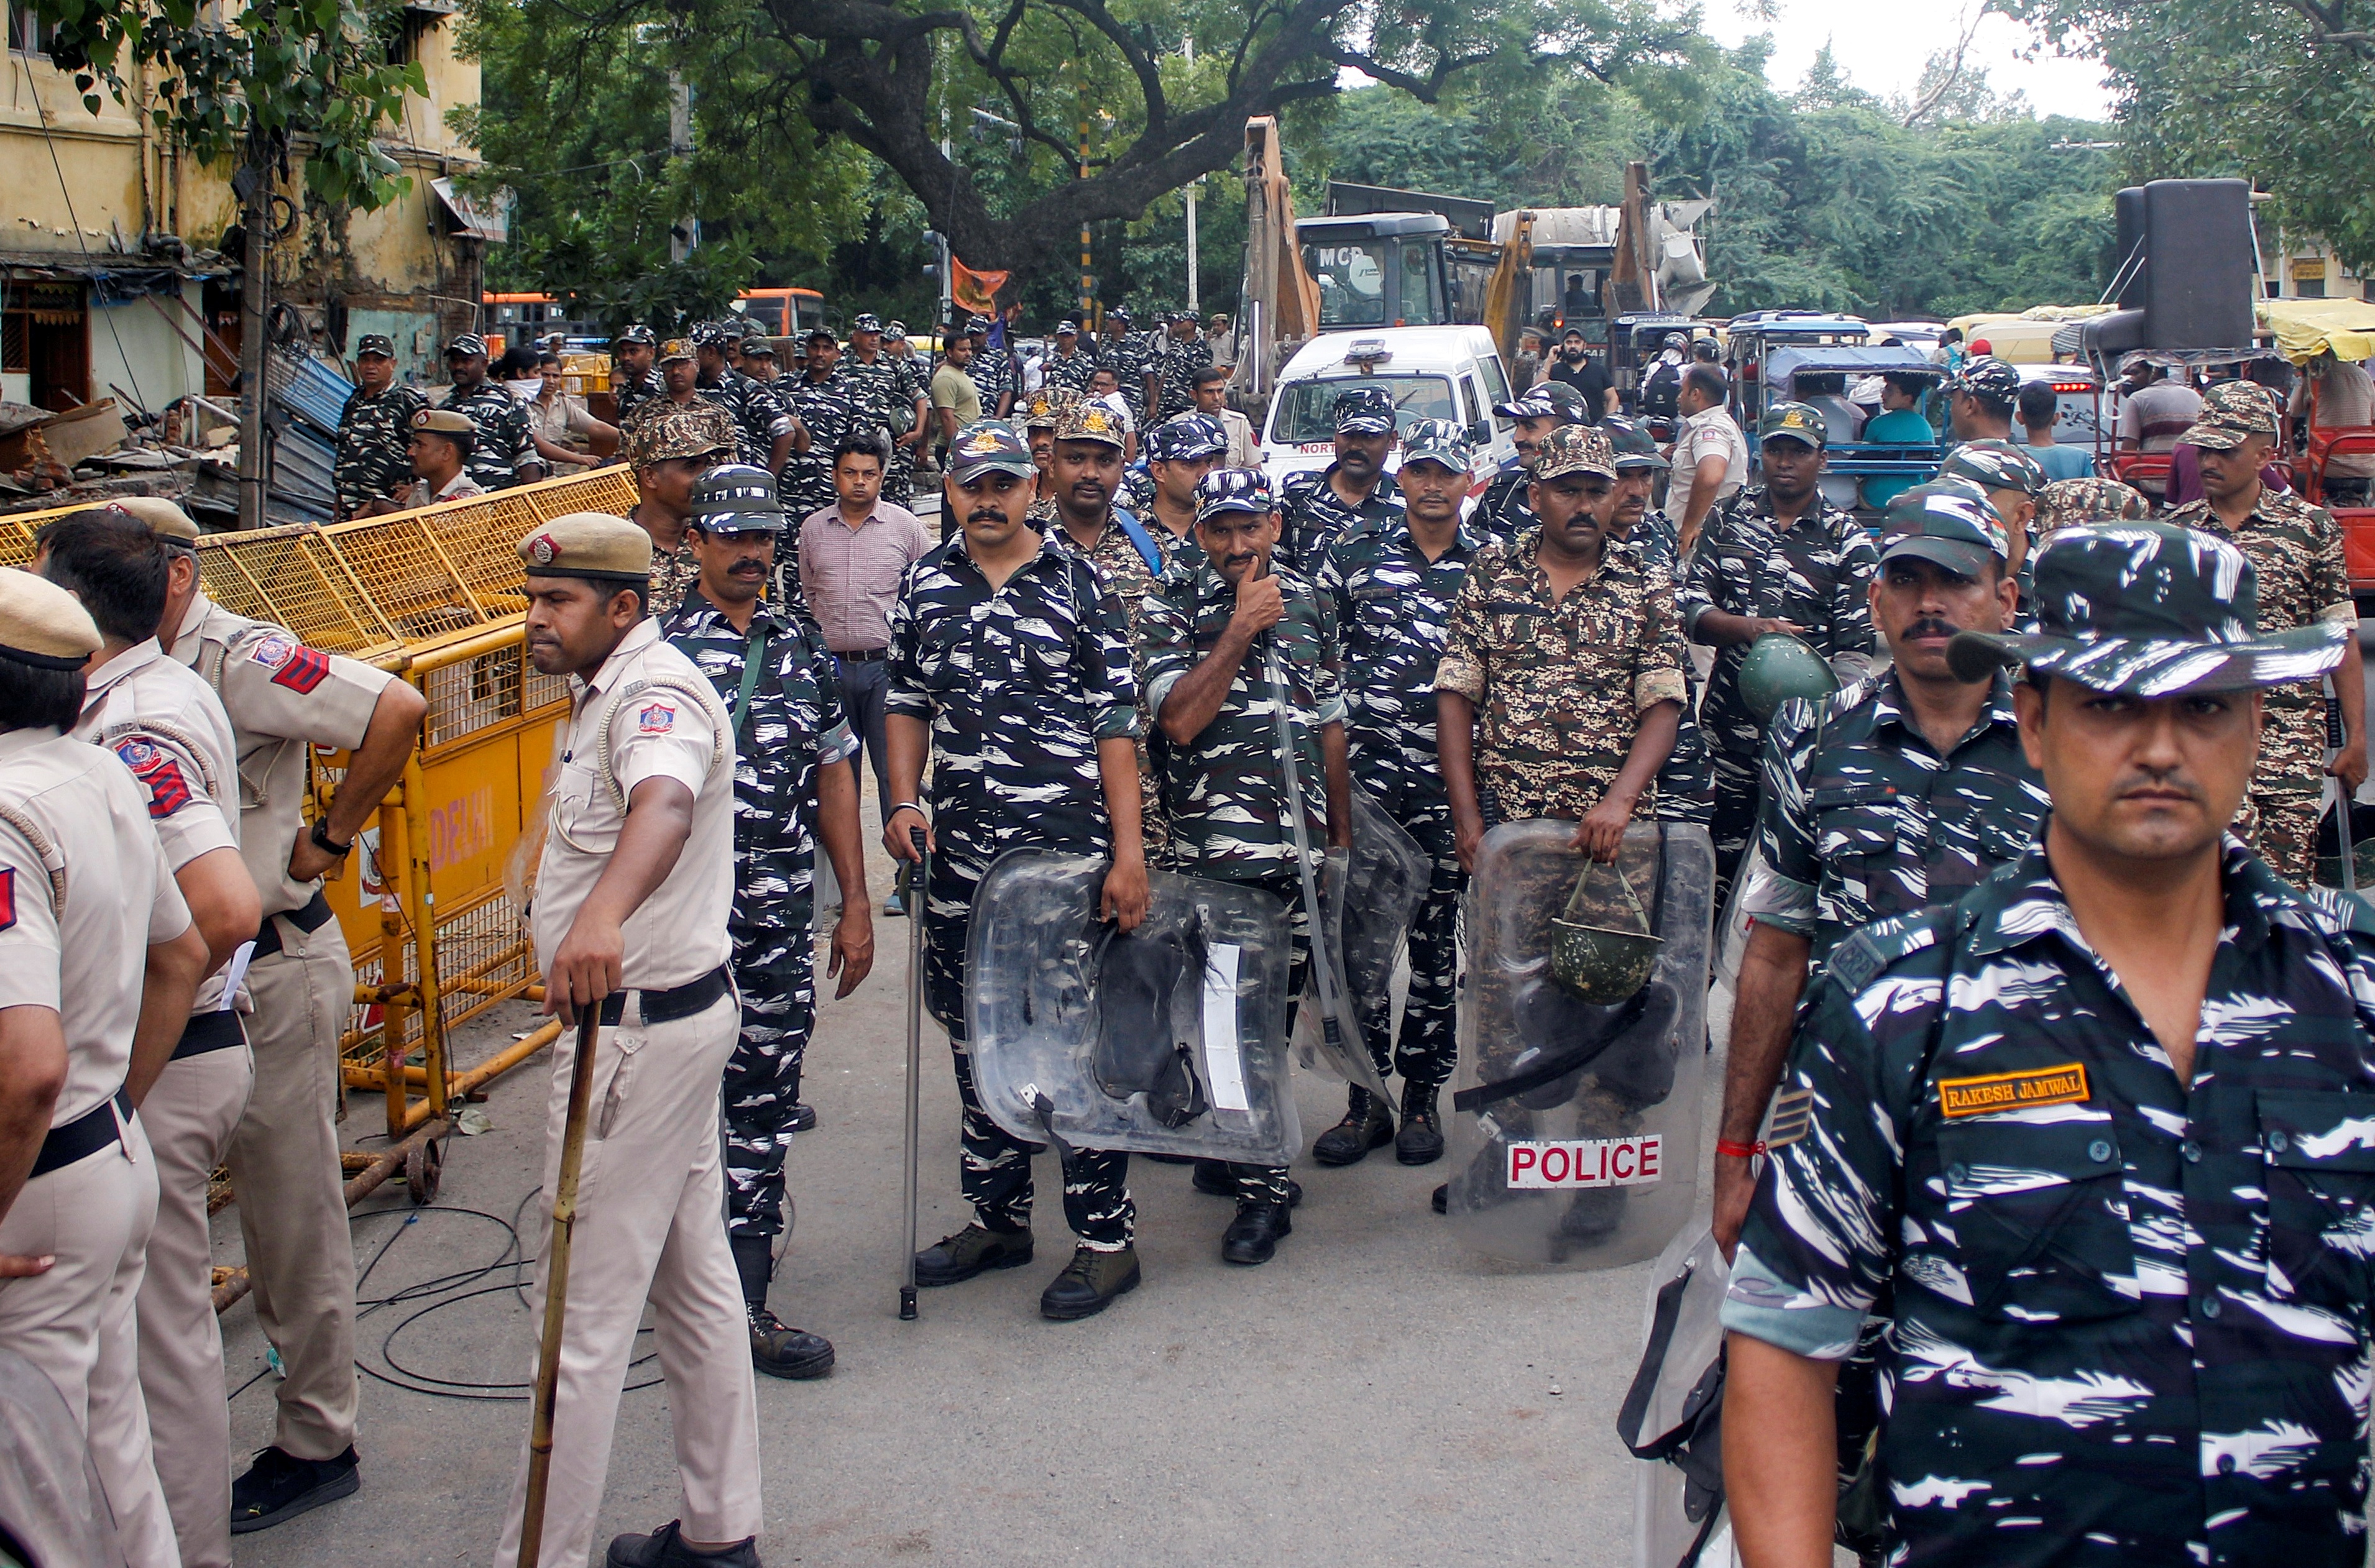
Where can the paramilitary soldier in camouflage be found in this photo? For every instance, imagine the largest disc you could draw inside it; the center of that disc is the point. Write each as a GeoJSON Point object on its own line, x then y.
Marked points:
{"type": "Point", "coordinates": [633, 381]}
{"type": "Point", "coordinates": [1900, 790]}
{"type": "Point", "coordinates": [764, 427]}
{"type": "Point", "coordinates": [504, 453]}
{"type": "Point", "coordinates": [1561, 676]}
{"type": "Point", "coordinates": [2095, 1134]}
{"type": "Point", "coordinates": [374, 428]}
{"type": "Point", "coordinates": [2066, 502]}
{"type": "Point", "coordinates": [1072, 363]}
{"type": "Point", "coordinates": [1502, 511]}
{"type": "Point", "coordinates": [1686, 784]}
{"type": "Point", "coordinates": [1205, 644]}
{"type": "Point", "coordinates": [2296, 550]}
{"type": "Point", "coordinates": [777, 679]}
{"type": "Point", "coordinates": [1352, 492]}
{"type": "Point", "coordinates": [1392, 587]}
{"type": "Point", "coordinates": [1779, 558]}
{"type": "Point", "coordinates": [887, 392]}
{"type": "Point", "coordinates": [1009, 663]}
{"type": "Point", "coordinates": [1181, 355]}
{"type": "Point", "coordinates": [821, 401]}
{"type": "Point", "coordinates": [990, 369]}
{"type": "Point", "coordinates": [1131, 357]}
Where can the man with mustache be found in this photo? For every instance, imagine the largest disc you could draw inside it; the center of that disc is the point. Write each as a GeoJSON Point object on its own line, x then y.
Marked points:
{"type": "Point", "coordinates": [2090, 1138]}
{"type": "Point", "coordinates": [1352, 492]}
{"type": "Point", "coordinates": [793, 788]}
{"type": "Point", "coordinates": [1502, 512]}
{"type": "Point", "coordinates": [1009, 663]}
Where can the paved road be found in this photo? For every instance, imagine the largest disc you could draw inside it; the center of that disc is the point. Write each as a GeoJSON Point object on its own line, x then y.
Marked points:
{"type": "Point", "coordinates": [1376, 1394]}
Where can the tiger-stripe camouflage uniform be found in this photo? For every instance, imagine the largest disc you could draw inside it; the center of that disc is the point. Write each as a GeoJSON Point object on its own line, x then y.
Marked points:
{"type": "Point", "coordinates": [1073, 372]}
{"type": "Point", "coordinates": [633, 392]}
{"type": "Point", "coordinates": [2296, 548]}
{"type": "Point", "coordinates": [374, 433]}
{"type": "Point", "coordinates": [828, 409]}
{"type": "Point", "coordinates": [1129, 357]}
{"type": "Point", "coordinates": [1314, 517]}
{"type": "Point", "coordinates": [884, 391]}
{"type": "Point", "coordinates": [1393, 607]}
{"type": "Point", "coordinates": [1224, 792]}
{"type": "Point", "coordinates": [504, 441]}
{"type": "Point", "coordinates": [760, 417]}
{"type": "Point", "coordinates": [1862, 818]}
{"type": "Point", "coordinates": [991, 370]}
{"type": "Point", "coordinates": [793, 726]}
{"type": "Point", "coordinates": [1177, 361]}
{"type": "Point", "coordinates": [1816, 574]}
{"type": "Point", "coordinates": [1018, 685]}
{"type": "Point", "coordinates": [1687, 782]}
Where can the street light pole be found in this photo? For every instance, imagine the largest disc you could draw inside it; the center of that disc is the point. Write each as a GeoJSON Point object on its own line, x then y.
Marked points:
{"type": "Point", "coordinates": [1187, 52]}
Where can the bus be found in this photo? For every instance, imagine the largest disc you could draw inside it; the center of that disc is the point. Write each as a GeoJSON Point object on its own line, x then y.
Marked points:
{"type": "Point", "coordinates": [783, 313]}
{"type": "Point", "coordinates": [532, 318]}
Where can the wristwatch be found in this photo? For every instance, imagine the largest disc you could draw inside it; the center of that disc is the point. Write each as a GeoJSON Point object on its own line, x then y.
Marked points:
{"type": "Point", "coordinates": [321, 837]}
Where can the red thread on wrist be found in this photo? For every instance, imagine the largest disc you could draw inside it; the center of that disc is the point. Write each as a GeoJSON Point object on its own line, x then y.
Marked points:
{"type": "Point", "coordinates": [1739, 1151]}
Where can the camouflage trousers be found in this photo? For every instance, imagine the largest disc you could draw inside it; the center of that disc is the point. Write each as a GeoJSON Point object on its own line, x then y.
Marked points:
{"type": "Point", "coordinates": [1733, 821]}
{"type": "Point", "coordinates": [1686, 784]}
{"type": "Point", "coordinates": [899, 480]}
{"type": "Point", "coordinates": [2285, 833]}
{"type": "Point", "coordinates": [1429, 1048]}
{"type": "Point", "coordinates": [1267, 1183]}
{"type": "Point", "coordinates": [993, 1166]}
{"type": "Point", "coordinates": [776, 980]}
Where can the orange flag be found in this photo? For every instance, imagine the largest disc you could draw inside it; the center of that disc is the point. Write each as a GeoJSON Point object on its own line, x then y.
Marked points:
{"type": "Point", "coordinates": [975, 291]}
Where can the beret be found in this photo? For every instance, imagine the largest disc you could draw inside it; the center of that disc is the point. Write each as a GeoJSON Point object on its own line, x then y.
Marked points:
{"type": "Point", "coordinates": [588, 543]}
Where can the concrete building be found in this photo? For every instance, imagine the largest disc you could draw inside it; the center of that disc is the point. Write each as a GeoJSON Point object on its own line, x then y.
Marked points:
{"type": "Point", "coordinates": [120, 263]}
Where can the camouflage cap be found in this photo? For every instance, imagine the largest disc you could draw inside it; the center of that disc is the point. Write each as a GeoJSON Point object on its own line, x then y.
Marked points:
{"type": "Point", "coordinates": [1632, 443]}
{"type": "Point", "coordinates": [715, 335]}
{"type": "Point", "coordinates": [1184, 438]}
{"type": "Point", "coordinates": [638, 332]}
{"type": "Point", "coordinates": [977, 326]}
{"type": "Point", "coordinates": [895, 332]}
{"type": "Point", "coordinates": [588, 543]}
{"type": "Point", "coordinates": [757, 347]}
{"type": "Point", "coordinates": [1045, 409]}
{"type": "Point", "coordinates": [1232, 490]}
{"type": "Point", "coordinates": [1948, 524]}
{"type": "Point", "coordinates": [2233, 412]}
{"type": "Point", "coordinates": [1068, 329]}
{"type": "Point", "coordinates": [1120, 313]}
{"type": "Point", "coordinates": [1988, 379]}
{"type": "Point", "coordinates": [737, 498]}
{"type": "Point", "coordinates": [676, 349]}
{"type": "Point", "coordinates": [1575, 448]}
{"type": "Point", "coordinates": [1797, 422]}
{"type": "Point", "coordinates": [1439, 441]}
{"type": "Point", "coordinates": [378, 343]}
{"type": "Point", "coordinates": [867, 321]}
{"type": "Point", "coordinates": [2150, 610]}
{"type": "Point", "coordinates": [1365, 410]}
{"type": "Point", "coordinates": [2065, 502]}
{"type": "Point", "coordinates": [665, 429]}
{"type": "Point", "coordinates": [990, 446]}
{"type": "Point", "coordinates": [1090, 418]}
{"type": "Point", "coordinates": [465, 345]}
{"type": "Point", "coordinates": [1541, 403]}
{"type": "Point", "coordinates": [1994, 465]}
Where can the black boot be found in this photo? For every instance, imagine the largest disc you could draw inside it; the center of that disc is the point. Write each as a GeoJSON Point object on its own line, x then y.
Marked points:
{"type": "Point", "coordinates": [1367, 1124]}
{"type": "Point", "coordinates": [1253, 1236]}
{"type": "Point", "coordinates": [953, 1259]}
{"type": "Point", "coordinates": [803, 1116]}
{"type": "Point", "coordinates": [1214, 1179]}
{"type": "Point", "coordinates": [1421, 1141]}
{"type": "Point", "coordinates": [1090, 1283]}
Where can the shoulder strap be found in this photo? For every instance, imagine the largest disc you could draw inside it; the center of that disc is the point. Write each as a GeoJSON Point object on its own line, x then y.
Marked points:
{"type": "Point", "coordinates": [697, 691]}
{"type": "Point", "coordinates": [52, 861]}
{"type": "Point", "coordinates": [1141, 538]}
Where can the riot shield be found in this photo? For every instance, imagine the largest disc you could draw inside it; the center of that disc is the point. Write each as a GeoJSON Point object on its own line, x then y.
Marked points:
{"type": "Point", "coordinates": [1170, 1038]}
{"type": "Point", "coordinates": [1672, 1415]}
{"type": "Point", "coordinates": [1575, 1126]}
{"type": "Point", "coordinates": [1367, 901]}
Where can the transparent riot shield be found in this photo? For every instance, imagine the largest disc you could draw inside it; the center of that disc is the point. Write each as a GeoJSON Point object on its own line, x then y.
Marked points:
{"type": "Point", "coordinates": [1575, 1126]}
{"type": "Point", "coordinates": [1367, 901]}
{"type": "Point", "coordinates": [1170, 1038]}
{"type": "Point", "coordinates": [1672, 1415]}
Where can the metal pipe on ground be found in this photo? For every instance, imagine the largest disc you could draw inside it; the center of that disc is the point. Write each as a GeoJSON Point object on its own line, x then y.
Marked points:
{"type": "Point", "coordinates": [365, 1183]}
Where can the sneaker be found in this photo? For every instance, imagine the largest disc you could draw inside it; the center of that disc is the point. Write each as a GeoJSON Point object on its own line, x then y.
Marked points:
{"type": "Point", "coordinates": [279, 1486]}
{"type": "Point", "coordinates": [1090, 1283]}
{"type": "Point", "coordinates": [780, 1351]}
{"type": "Point", "coordinates": [664, 1548]}
{"type": "Point", "coordinates": [951, 1260]}
{"type": "Point", "coordinates": [895, 906]}
{"type": "Point", "coordinates": [1421, 1141]}
{"type": "Point", "coordinates": [1367, 1124]}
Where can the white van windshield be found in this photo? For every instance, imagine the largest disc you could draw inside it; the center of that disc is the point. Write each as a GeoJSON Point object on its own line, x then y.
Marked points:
{"type": "Point", "coordinates": [1306, 409]}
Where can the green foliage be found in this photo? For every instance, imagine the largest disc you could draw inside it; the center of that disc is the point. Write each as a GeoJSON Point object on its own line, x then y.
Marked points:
{"type": "Point", "coordinates": [241, 89]}
{"type": "Point", "coordinates": [2281, 92]}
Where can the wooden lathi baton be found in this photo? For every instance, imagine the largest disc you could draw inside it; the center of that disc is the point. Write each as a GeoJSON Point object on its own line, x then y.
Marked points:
{"type": "Point", "coordinates": [556, 1284]}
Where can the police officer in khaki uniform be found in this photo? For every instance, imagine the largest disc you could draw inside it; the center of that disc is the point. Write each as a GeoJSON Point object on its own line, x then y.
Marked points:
{"type": "Point", "coordinates": [98, 961]}
{"type": "Point", "coordinates": [630, 917]}
{"type": "Point", "coordinates": [283, 698]}
{"type": "Point", "coordinates": [167, 727]}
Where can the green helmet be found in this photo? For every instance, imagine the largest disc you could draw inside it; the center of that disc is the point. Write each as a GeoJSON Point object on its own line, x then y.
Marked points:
{"type": "Point", "coordinates": [1778, 667]}
{"type": "Point", "coordinates": [1602, 947]}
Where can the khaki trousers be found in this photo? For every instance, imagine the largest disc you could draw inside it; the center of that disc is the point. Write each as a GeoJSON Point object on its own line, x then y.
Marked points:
{"type": "Point", "coordinates": [292, 1211]}
{"type": "Point", "coordinates": [190, 1116]}
{"type": "Point", "coordinates": [651, 1225]}
{"type": "Point", "coordinates": [78, 1322]}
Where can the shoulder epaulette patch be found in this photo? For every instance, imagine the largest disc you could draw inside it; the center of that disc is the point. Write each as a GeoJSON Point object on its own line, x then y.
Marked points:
{"type": "Point", "coordinates": [1858, 961]}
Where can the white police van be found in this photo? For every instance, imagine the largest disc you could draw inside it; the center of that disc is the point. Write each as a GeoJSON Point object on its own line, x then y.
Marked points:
{"type": "Point", "coordinates": [1431, 372]}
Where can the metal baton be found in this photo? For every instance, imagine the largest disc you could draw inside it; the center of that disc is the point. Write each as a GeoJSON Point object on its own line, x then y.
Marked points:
{"type": "Point", "coordinates": [917, 895]}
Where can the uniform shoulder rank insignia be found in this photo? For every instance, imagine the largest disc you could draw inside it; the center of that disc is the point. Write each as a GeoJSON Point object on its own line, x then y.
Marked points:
{"type": "Point", "coordinates": [657, 718]}
{"type": "Point", "coordinates": [1793, 1115]}
{"type": "Point", "coordinates": [1858, 961]}
{"type": "Point", "coordinates": [158, 774]}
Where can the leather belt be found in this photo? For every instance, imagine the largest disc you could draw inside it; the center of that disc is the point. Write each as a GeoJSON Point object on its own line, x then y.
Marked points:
{"type": "Point", "coordinates": [662, 1006]}
{"type": "Point", "coordinates": [863, 655]}
{"type": "Point", "coordinates": [215, 1030]}
{"type": "Point", "coordinates": [82, 1137]}
{"type": "Point", "coordinates": [311, 917]}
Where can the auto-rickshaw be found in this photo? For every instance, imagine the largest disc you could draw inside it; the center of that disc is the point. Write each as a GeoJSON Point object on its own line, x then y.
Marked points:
{"type": "Point", "coordinates": [1782, 374]}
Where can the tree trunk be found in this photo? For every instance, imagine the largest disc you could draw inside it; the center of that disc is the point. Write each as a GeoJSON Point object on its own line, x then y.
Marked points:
{"type": "Point", "coordinates": [255, 281]}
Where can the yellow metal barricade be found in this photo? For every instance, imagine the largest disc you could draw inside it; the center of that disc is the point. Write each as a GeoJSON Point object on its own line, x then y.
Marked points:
{"type": "Point", "coordinates": [434, 596]}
